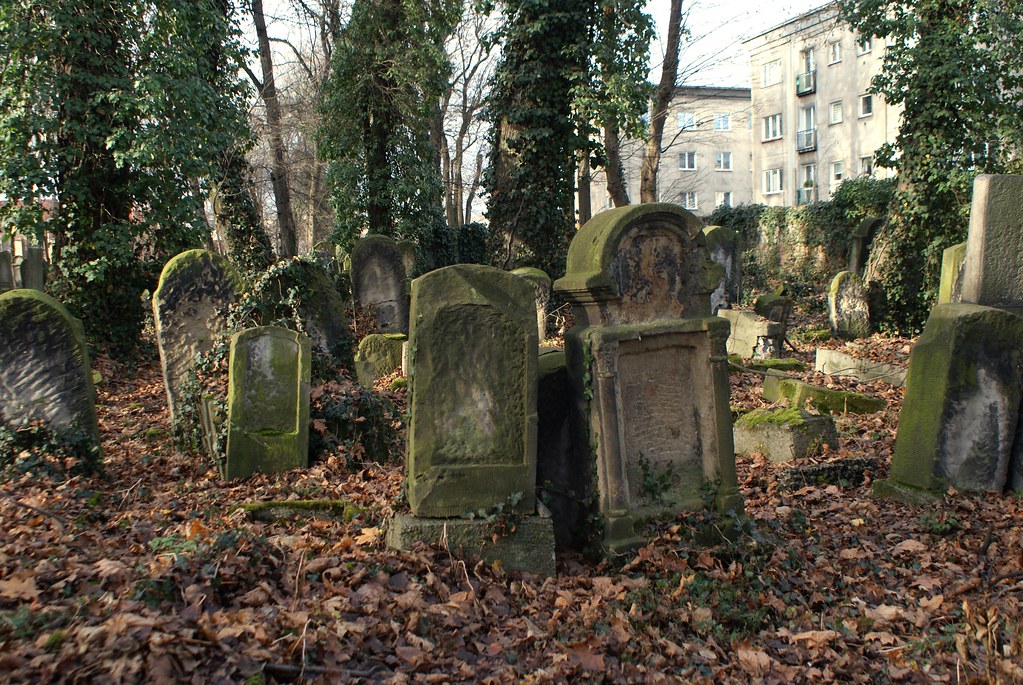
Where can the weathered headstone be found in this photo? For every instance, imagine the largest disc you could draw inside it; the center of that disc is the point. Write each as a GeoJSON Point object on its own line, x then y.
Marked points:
{"type": "Point", "coordinates": [753, 336]}
{"type": "Point", "coordinates": [190, 308]}
{"type": "Point", "coordinates": [848, 307]}
{"type": "Point", "coordinates": [44, 366]}
{"type": "Point", "coordinates": [838, 363]}
{"type": "Point", "coordinates": [378, 283]}
{"type": "Point", "coordinates": [472, 434]}
{"type": "Point", "coordinates": [640, 279]}
{"type": "Point", "coordinates": [6, 272]}
{"type": "Point", "coordinates": [268, 402]}
{"type": "Point", "coordinates": [379, 354]}
{"type": "Point", "coordinates": [953, 266]}
{"type": "Point", "coordinates": [541, 283]}
{"type": "Point", "coordinates": [862, 236]}
{"type": "Point", "coordinates": [774, 307]}
{"type": "Point", "coordinates": [994, 247]}
{"type": "Point", "coordinates": [407, 248]}
{"type": "Point", "coordinates": [33, 269]}
{"type": "Point", "coordinates": [723, 247]}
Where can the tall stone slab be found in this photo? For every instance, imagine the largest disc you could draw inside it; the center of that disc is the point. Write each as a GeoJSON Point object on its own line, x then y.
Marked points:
{"type": "Point", "coordinates": [848, 307]}
{"type": "Point", "coordinates": [472, 435]}
{"type": "Point", "coordinates": [723, 247]}
{"type": "Point", "coordinates": [953, 267]}
{"type": "Point", "coordinates": [33, 269]}
{"type": "Point", "coordinates": [44, 366]}
{"type": "Point", "coordinates": [268, 401]}
{"type": "Point", "coordinates": [994, 247]}
{"type": "Point", "coordinates": [190, 308]}
{"type": "Point", "coordinates": [648, 366]}
{"type": "Point", "coordinates": [378, 283]}
{"type": "Point", "coordinates": [6, 272]}
{"type": "Point", "coordinates": [862, 236]}
{"type": "Point", "coordinates": [541, 283]}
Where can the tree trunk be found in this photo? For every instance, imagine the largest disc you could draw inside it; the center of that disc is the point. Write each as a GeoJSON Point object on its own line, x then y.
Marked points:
{"type": "Point", "coordinates": [583, 188]}
{"type": "Point", "coordinates": [279, 168]}
{"type": "Point", "coordinates": [659, 106]}
{"type": "Point", "coordinates": [473, 187]}
{"type": "Point", "coordinates": [613, 169]}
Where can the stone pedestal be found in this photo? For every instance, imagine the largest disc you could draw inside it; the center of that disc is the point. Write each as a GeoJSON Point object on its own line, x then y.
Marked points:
{"type": "Point", "coordinates": [784, 434]}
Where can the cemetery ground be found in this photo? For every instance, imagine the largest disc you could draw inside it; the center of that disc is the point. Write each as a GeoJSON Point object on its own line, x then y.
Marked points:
{"type": "Point", "coordinates": [154, 572]}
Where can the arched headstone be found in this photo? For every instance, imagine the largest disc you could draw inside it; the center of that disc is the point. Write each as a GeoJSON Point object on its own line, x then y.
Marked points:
{"type": "Point", "coordinates": [378, 283]}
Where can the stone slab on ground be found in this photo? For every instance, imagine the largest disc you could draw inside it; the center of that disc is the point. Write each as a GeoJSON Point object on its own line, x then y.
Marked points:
{"type": "Point", "coordinates": [838, 363]}
{"type": "Point", "coordinates": [526, 546]}
{"type": "Point", "coordinates": [777, 388]}
{"type": "Point", "coordinates": [784, 434]}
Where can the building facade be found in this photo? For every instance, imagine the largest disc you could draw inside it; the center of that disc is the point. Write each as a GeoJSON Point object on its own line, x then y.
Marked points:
{"type": "Point", "coordinates": [815, 123]}
{"type": "Point", "coordinates": [706, 158]}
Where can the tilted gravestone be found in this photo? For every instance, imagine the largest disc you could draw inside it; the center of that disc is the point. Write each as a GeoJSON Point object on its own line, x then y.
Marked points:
{"type": "Point", "coordinates": [44, 366]}
{"type": "Point", "coordinates": [953, 266]}
{"type": "Point", "coordinates": [648, 367]}
{"type": "Point", "coordinates": [268, 402]}
{"type": "Point", "coordinates": [378, 283]}
{"type": "Point", "coordinates": [33, 269]}
{"type": "Point", "coordinates": [378, 355]}
{"type": "Point", "coordinates": [189, 309]}
{"type": "Point", "coordinates": [960, 423]}
{"type": "Point", "coordinates": [6, 272]}
{"type": "Point", "coordinates": [848, 307]}
{"type": "Point", "coordinates": [723, 247]}
{"type": "Point", "coordinates": [541, 283]}
{"type": "Point", "coordinates": [472, 434]}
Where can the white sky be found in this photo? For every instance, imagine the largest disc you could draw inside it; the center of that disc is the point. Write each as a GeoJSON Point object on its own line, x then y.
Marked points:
{"type": "Point", "coordinates": [718, 28]}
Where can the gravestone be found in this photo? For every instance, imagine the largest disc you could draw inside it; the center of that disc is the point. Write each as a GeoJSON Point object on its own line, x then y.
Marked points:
{"type": "Point", "coordinates": [541, 283]}
{"type": "Point", "coordinates": [751, 336]}
{"type": "Point", "coordinates": [838, 363]}
{"type": "Point", "coordinates": [784, 434]}
{"type": "Point", "coordinates": [407, 248]}
{"type": "Point", "coordinates": [190, 306]}
{"type": "Point", "coordinates": [862, 236]}
{"type": "Point", "coordinates": [268, 402]}
{"type": "Point", "coordinates": [6, 272]}
{"type": "Point", "coordinates": [960, 423]}
{"type": "Point", "coordinates": [44, 366]}
{"type": "Point", "coordinates": [648, 367]}
{"type": "Point", "coordinates": [379, 354]}
{"type": "Point", "coordinates": [33, 269]}
{"type": "Point", "coordinates": [472, 435]}
{"type": "Point", "coordinates": [723, 247]}
{"type": "Point", "coordinates": [378, 283]}
{"type": "Point", "coordinates": [848, 307]}
{"type": "Point", "coordinates": [774, 307]}
{"type": "Point", "coordinates": [953, 266]}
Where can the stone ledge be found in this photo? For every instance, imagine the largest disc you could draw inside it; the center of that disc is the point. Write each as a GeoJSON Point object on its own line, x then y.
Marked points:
{"type": "Point", "coordinates": [529, 548]}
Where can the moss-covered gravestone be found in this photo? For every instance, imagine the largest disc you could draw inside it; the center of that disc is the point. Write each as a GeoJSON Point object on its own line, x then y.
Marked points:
{"type": "Point", "coordinates": [953, 266]}
{"type": "Point", "coordinates": [189, 309]}
{"type": "Point", "coordinates": [268, 402]}
{"type": "Point", "coordinates": [6, 272]}
{"type": "Point", "coordinates": [723, 248]}
{"type": "Point", "coordinates": [379, 354]}
{"type": "Point", "coordinates": [378, 283]}
{"type": "Point", "coordinates": [472, 433]}
{"type": "Point", "coordinates": [44, 367]}
{"type": "Point", "coordinates": [541, 283]}
{"type": "Point", "coordinates": [783, 434]}
{"type": "Point", "coordinates": [33, 269]}
{"type": "Point", "coordinates": [648, 367]}
{"type": "Point", "coordinates": [848, 307]}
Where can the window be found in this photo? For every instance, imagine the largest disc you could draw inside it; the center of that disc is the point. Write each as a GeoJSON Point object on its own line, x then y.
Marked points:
{"type": "Point", "coordinates": [865, 45]}
{"type": "Point", "coordinates": [772, 181]}
{"type": "Point", "coordinates": [808, 175]}
{"type": "Point", "coordinates": [722, 121]}
{"type": "Point", "coordinates": [772, 73]}
{"type": "Point", "coordinates": [836, 172]}
{"type": "Point", "coordinates": [687, 161]}
{"type": "Point", "coordinates": [723, 161]}
{"type": "Point", "coordinates": [867, 165]}
{"type": "Point", "coordinates": [689, 200]}
{"type": "Point", "coordinates": [836, 112]}
{"type": "Point", "coordinates": [723, 199]}
{"type": "Point", "coordinates": [834, 52]}
{"type": "Point", "coordinates": [686, 121]}
{"type": "Point", "coordinates": [866, 105]}
{"type": "Point", "coordinates": [806, 64]}
{"type": "Point", "coordinates": [772, 127]}
{"type": "Point", "coordinates": [808, 118]}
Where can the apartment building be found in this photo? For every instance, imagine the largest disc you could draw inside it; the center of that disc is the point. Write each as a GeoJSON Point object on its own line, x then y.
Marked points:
{"type": "Point", "coordinates": [814, 122]}
{"type": "Point", "coordinates": [706, 158]}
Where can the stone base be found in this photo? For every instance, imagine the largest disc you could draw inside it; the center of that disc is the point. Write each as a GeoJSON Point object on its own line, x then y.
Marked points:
{"type": "Point", "coordinates": [836, 363]}
{"type": "Point", "coordinates": [784, 435]}
{"type": "Point", "coordinates": [892, 489]}
{"type": "Point", "coordinates": [529, 548]}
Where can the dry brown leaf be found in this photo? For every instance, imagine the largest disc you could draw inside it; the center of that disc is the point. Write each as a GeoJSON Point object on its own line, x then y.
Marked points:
{"type": "Point", "coordinates": [21, 586]}
{"type": "Point", "coordinates": [754, 661]}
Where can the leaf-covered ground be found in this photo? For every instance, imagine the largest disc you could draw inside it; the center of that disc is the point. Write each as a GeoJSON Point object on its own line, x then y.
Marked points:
{"type": "Point", "coordinates": [149, 573]}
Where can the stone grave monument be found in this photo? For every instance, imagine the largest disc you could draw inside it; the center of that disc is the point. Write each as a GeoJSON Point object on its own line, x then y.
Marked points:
{"type": "Point", "coordinates": [6, 271]}
{"type": "Point", "coordinates": [189, 309]}
{"type": "Point", "coordinates": [960, 423]}
{"type": "Point", "coordinates": [723, 247]}
{"type": "Point", "coordinates": [541, 283]}
{"type": "Point", "coordinates": [648, 367]}
{"type": "Point", "coordinates": [268, 401]}
{"type": "Point", "coordinates": [378, 355]}
{"type": "Point", "coordinates": [378, 283]}
{"type": "Point", "coordinates": [44, 366]}
{"type": "Point", "coordinates": [953, 263]}
{"type": "Point", "coordinates": [862, 236]}
{"type": "Point", "coordinates": [33, 269]}
{"type": "Point", "coordinates": [848, 307]}
{"type": "Point", "coordinates": [471, 447]}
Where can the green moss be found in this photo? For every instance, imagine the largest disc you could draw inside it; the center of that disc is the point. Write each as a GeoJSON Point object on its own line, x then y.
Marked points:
{"type": "Point", "coordinates": [777, 364]}
{"type": "Point", "coordinates": [317, 508]}
{"type": "Point", "coordinates": [811, 336]}
{"type": "Point", "coordinates": [798, 393]}
{"type": "Point", "coordinates": [789, 416]}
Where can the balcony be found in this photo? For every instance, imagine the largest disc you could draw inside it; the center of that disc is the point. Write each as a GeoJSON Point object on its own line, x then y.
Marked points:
{"type": "Point", "coordinates": [806, 141]}
{"type": "Point", "coordinates": [805, 196]}
{"type": "Point", "coordinates": [806, 83]}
